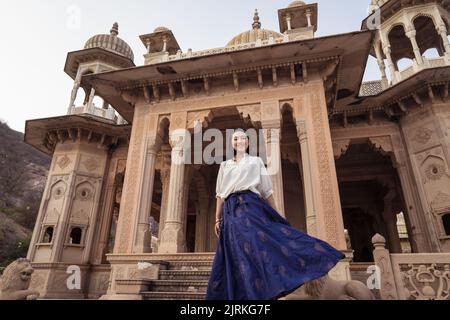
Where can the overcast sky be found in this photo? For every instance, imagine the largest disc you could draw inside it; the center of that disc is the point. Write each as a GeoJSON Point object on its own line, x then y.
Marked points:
{"type": "Point", "coordinates": [37, 35]}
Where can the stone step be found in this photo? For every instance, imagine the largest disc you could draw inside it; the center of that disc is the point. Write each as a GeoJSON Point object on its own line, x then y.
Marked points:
{"type": "Point", "coordinates": [191, 266]}
{"type": "Point", "coordinates": [194, 286]}
{"type": "Point", "coordinates": [155, 295]}
{"type": "Point", "coordinates": [184, 274]}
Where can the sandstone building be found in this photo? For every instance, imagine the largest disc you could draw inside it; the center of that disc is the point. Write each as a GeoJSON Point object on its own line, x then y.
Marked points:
{"type": "Point", "coordinates": [352, 157]}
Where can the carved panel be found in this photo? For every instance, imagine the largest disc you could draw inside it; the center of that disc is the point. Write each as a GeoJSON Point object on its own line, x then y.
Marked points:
{"type": "Point", "coordinates": [131, 183]}
{"type": "Point", "coordinates": [426, 281]}
{"type": "Point", "coordinates": [422, 137]}
{"type": "Point", "coordinates": [54, 207]}
{"type": "Point", "coordinates": [435, 176]}
{"type": "Point", "coordinates": [63, 162]}
{"type": "Point", "coordinates": [327, 192]}
{"type": "Point", "coordinates": [91, 164]}
{"type": "Point", "coordinates": [83, 203]}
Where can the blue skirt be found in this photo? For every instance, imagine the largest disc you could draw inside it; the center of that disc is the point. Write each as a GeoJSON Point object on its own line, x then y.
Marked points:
{"type": "Point", "coordinates": [260, 256]}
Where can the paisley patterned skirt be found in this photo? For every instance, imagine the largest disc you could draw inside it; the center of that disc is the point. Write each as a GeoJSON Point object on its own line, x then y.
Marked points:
{"type": "Point", "coordinates": [260, 256]}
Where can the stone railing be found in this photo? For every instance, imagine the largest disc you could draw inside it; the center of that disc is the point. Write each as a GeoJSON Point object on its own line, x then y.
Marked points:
{"type": "Point", "coordinates": [109, 113]}
{"type": "Point", "coordinates": [414, 68]}
{"type": "Point", "coordinates": [195, 54]}
{"type": "Point", "coordinates": [416, 276]}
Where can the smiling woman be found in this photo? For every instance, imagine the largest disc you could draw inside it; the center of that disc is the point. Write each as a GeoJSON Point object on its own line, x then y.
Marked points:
{"type": "Point", "coordinates": [259, 255]}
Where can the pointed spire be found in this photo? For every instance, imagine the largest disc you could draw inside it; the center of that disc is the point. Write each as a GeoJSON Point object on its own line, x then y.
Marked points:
{"type": "Point", "coordinates": [256, 24]}
{"type": "Point", "coordinates": [115, 29]}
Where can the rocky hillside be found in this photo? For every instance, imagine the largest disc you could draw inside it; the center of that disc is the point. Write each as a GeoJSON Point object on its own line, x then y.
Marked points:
{"type": "Point", "coordinates": [23, 172]}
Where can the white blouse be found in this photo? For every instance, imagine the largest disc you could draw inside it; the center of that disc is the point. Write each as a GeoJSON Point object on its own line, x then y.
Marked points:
{"type": "Point", "coordinates": [249, 174]}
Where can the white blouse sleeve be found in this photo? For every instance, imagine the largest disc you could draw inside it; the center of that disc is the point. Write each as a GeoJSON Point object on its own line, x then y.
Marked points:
{"type": "Point", "coordinates": [219, 193]}
{"type": "Point", "coordinates": [265, 187]}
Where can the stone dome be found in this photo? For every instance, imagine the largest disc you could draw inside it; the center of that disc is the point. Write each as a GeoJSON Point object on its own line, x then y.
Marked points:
{"type": "Point", "coordinates": [297, 3]}
{"type": "Point", "coordinates": [111, 42]}
{"type": "Point", "coordinates": [160, 29]}
{"type": "Point", "coordinates": [254, 34]}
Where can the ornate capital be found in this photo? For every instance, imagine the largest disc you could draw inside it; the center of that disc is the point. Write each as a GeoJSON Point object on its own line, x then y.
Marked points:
{"type": "Point", "coordinates": [340, 147]}
{"type": "Point", "coordinates": [411, 34]}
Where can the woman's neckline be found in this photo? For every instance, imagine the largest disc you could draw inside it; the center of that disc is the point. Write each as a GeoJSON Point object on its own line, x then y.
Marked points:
{"type": "Point", "coordinates": [243, 157]}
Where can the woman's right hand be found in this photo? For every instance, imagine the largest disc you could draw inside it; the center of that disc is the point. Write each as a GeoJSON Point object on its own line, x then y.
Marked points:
{"type": "Point", "coordinates": [217, 229]}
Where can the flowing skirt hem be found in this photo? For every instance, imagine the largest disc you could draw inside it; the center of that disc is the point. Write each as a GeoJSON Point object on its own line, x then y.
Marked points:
{"type": "Point", "coordinates": [298, 286]}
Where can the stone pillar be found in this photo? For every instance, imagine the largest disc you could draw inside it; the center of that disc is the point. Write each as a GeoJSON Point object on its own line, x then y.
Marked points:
{"type": "Point", "coordinates": [386, 281]}
{"type": "Point", "coordinates": [165, 180]}
{"type": "Point", "coordinates": [419, 234]}
{"type": "Point", "coordinates": [387, 53]}
{"type": "Point", "coordinates": [311, 214]}
{"type": "Point", "coordinates": [381, 65]}
{"type": "Point", "coordinates": [308, 18]}
{"type": "Point", "coordinates": [142, 232]}
{"type": "Point", "coordinates": [312, 106]}
{"type": "Point", "coordinates": [288, 22]}
{"type": "Point", "coordinates": [442, 31]}
{"type": "Point", "coordinates": [273, 152]}
{"type": "Point", "coordinates": [412, 37]}
{"type": "Point", "coordinates": [390, 220]}
{"type": "Point", "coordinates": [188, 172]}
{"type": "Point", "coordinates": [173, 238]}
{"type": "Point", "coordinates": [133, 204]}
{"type": "Point", "coordinates": [89, 107]}
{"type": "Point", "coordinates": [271, 123]}
{"type": "Point", "coordinates": [73, 97]}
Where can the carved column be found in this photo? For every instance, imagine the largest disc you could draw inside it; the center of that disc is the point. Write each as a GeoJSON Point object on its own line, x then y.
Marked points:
{"type": "Point", "coordinates": [381, 65]}
{"type": "Point", "coordinates": [173, 238]}
{"type": "Point", "coordinates": [73, 96]}
{"type": "Point", "coordinates": [311, 214]}
{"type": "Point", "coordinates": [271, 123]}
{"type": "Point", "coordinates": [165, 180]}
{"type": "Point", "coordinates": [441, 29]}
{"type": "Point", "coordinates": [142, 232]}
{"type": "Point", "coordinates": [330, 225]}
{"type": "Point", "coordinates": [273, 152]}
{"type": "Point", "coordinates": [412, 37]}
{"type": "Point", "coordinates": [134, 181]}
{"type": "Point", "coordinates": [89, 107]}
{"type": "Point", "coordinates": [390, 219]}
{"type": "Point", "coordinates": [387, 53]}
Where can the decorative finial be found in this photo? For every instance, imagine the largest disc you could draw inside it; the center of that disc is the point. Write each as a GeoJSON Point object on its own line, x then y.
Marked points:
{"type": "Point", "coordinates": [256, 24]}
{"type": "Point", "coordinates": [115, 29]}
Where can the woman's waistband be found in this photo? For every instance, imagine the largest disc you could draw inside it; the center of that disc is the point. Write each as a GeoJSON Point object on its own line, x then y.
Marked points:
{"type": "Point", "coordinates": [239, 192]}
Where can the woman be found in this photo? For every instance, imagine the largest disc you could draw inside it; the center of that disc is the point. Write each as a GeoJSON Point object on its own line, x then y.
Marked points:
{"type": "Point", "coordinates": [259, 255]}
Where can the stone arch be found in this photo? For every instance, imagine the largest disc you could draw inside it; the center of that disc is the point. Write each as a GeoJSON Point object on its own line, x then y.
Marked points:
{"type": "Point", "coordinates": [427, 15]}
{"type": "Point", "coordinates": [57, 189]}
{"type": "Point", "coordinates": [426, 35]}
{"type": "Point", "coordinates": [395, 25]}
{"type": "Point", "coordinates": [401, 47]}
{"type": "Point", "coordinates": [81, 100]}
{"type": "Point", "coordinates": [370, 187]}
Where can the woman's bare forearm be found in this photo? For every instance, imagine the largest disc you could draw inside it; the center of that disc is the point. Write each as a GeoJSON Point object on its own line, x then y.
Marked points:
{"type": "Point", "coordinates": [219, 208]}
{"type": "Point", "coordinates": [271, 201]}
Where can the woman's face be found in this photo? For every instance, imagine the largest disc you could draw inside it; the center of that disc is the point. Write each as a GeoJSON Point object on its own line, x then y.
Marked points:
{"type": "Point", "coordinates": [240, 142]}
